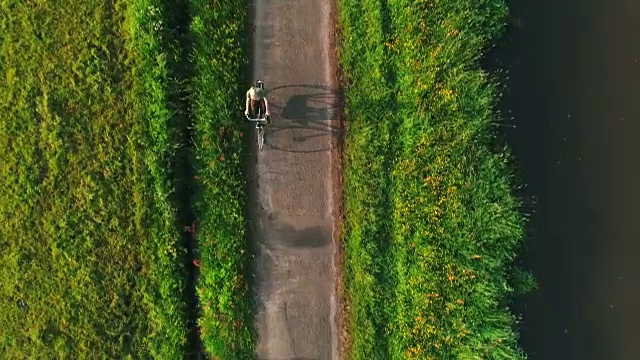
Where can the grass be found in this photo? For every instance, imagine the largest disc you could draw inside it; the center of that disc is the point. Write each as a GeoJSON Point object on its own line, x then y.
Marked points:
{"type": "Point", "coordinates": [217, 32]}
{"type": "Point", "coordinates": [93, 124]}
{"type": "Point", "coordinates": [89, 263]}
{"type": "Point", "coordinates": [432, 232]}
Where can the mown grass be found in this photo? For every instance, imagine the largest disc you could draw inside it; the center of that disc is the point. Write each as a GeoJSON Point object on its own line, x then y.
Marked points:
{"type": "Point", "coordinates": [89, 265]}
{"type": "Point", "coordinates": [217, 33]}
{"type": "Point", "coordinates": [432, 230]}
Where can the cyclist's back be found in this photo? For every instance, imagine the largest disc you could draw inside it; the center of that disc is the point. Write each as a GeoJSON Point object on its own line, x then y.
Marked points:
{"type": "Point", "coordinates": [257, 99]}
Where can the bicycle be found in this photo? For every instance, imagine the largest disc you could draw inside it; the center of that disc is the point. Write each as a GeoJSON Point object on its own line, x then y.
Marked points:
{"type": "Point", "coordinates": [261, 122]}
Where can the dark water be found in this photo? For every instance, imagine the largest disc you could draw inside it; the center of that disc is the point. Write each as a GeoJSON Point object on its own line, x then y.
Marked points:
{"type": "Point", "coordinates": [574, 93]}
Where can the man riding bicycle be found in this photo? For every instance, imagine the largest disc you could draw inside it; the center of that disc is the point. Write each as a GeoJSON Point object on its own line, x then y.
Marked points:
{"type": "Point", "coordinates": [257, 98]}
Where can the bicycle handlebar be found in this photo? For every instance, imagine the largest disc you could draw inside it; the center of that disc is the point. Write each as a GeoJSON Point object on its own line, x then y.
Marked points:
{"type": "Point", "coordinates": [255, 120]}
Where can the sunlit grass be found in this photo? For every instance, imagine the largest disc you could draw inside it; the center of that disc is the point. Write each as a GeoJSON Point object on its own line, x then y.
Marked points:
{"type": "Point", "coordinates": [432, 227]}
{"type": "Point", "coordinates": [88, 243]}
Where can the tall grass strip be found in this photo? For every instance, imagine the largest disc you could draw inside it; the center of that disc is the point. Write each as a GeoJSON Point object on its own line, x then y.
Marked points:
{"type": "Point", "coordinates": [370, 103]}
{"type": "Point", "coordinates": [217, 32]}
{"type": "Point", "coordinates": [441, 266]}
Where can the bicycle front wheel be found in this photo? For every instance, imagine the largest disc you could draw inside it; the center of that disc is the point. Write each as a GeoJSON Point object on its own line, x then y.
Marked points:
{"type": "Point", "coordinates": [260, 138]}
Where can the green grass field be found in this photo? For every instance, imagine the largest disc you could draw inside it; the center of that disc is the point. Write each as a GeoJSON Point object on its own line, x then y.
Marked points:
{"type": "Point", "coordinates": [92, 132]}
{"type": "Point", "coordinates": [432, 231]}
{"type": "Point", "coordinates": [88, 242]}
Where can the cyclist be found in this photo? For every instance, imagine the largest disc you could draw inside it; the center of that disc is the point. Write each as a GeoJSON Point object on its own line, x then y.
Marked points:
{"type": "Point", "coordinates": [257, 97]}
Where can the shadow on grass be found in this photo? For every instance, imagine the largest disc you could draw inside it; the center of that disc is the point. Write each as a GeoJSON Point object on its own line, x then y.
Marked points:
{"type": "Point", "coordinates": [181, 71]}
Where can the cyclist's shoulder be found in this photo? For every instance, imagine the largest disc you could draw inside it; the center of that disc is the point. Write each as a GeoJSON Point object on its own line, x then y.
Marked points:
{"type": "Point", "coordinates": [256, 92]}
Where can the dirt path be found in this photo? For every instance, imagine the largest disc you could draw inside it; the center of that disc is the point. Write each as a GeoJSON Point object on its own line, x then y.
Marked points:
{"type": "Point", "coordinates": [293, 204]}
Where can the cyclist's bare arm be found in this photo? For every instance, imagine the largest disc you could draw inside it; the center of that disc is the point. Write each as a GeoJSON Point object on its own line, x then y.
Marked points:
{"type": "Point", "coordinates": [266, 106]}
{"type": "Point", "coordinates": [246, 104]}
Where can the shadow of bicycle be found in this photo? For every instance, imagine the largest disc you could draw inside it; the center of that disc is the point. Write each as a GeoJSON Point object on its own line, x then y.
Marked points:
{"type": "Point", "coordinates": [309, 120]}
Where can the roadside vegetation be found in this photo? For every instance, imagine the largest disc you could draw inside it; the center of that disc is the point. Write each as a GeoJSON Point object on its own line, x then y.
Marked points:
{"type": "Point", "coordinates": [218, 31]}
{"type": "Point", "coordinates": [432, 228]}
{"type": "Point", "coordinates": [89, 247]}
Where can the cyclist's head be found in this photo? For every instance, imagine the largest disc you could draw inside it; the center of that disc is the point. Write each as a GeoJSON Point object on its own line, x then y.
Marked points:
{"type": "Point", "coordinates": [260, 84]}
